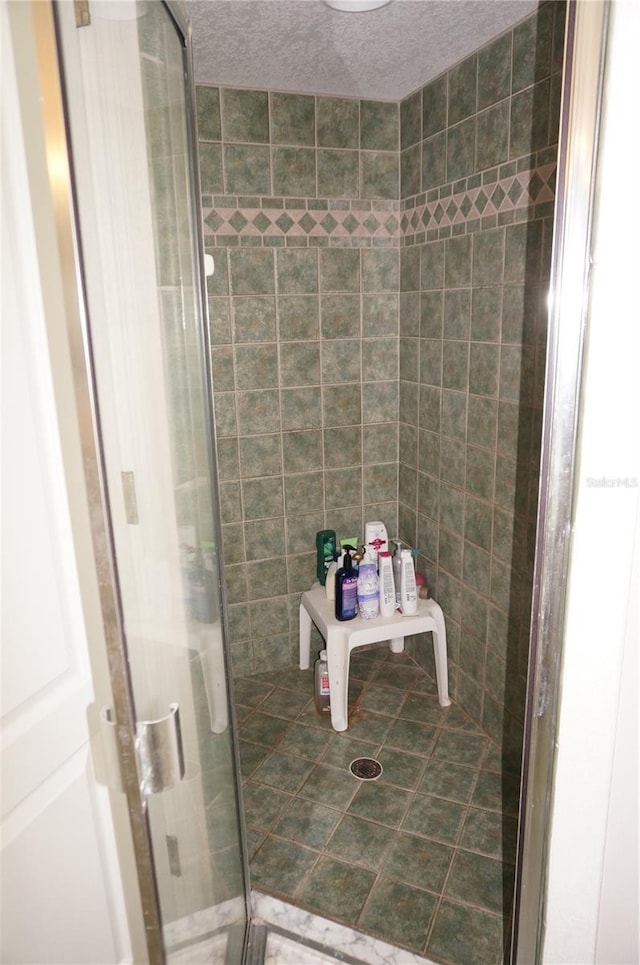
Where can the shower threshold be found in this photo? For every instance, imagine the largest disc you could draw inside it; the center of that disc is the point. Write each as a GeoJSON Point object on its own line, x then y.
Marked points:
{"type": "Point", "coordinates": [293, 936]}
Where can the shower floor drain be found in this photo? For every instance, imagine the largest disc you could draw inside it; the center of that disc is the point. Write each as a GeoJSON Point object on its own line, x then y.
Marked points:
{"type": "Point", "coordinates": [365, 768]}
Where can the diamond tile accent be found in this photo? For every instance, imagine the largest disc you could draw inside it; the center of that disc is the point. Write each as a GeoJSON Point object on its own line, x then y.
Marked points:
{"type": "Point", "coordinates": [307, 223]}
{"type": "Point", "coordinates": [515, 193]}
{"type": "Point", "coordinates": [261, 222]}
{"type": "Point", "coordinates": [329, 223]}
{"type": "Point", "coordinates": [536, 184]}
{"type": "Point", "coordinates": [213, 221]}
{"type": "Point", "coordinates": [393, 222]}
{"type": "Point", "coordinates": [498, 196]}
{"type": "Point", "coordinates": [465, 206]}
{"type": "Point", "coordinates": [284, 222]}
{"type": "Point", "coordinates": [481, 201]}
{"type": "Point", "coordinates": [238, 221]}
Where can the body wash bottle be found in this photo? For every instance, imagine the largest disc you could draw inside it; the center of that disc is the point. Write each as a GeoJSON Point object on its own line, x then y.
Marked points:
{"type": "Point", "coordinates": [346, 589]}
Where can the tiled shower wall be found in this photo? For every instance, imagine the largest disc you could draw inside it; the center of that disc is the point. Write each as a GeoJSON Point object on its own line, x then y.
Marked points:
{"type": "Point", "coordinates": [380, 275]}
{"type": "Point", "coordinates": [301, 206]}
{"type": "Point", "coordinates": [478, 167]}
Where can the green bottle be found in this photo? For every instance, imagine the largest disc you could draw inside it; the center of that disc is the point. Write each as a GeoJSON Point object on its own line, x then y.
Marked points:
{"type": "Point", "coordinates": [325, 552]}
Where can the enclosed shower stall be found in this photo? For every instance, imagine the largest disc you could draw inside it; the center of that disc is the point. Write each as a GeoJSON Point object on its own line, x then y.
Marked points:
{"type": "Point", "coordinates": [377, 322]}
{"type": "Point", "coordinates": [378, 319]}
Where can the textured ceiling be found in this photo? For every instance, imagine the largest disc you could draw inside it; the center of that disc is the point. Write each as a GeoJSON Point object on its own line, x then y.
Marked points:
{"type": "Point", "coordinates": [303, 46]}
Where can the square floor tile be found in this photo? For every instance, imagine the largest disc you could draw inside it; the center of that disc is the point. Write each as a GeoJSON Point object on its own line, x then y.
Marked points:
{"type": "Point", "coordinates": [460, 748]}
{"type": "Point", "coordinates": [285, 703]}
{"type": "Point", "coordinates": [304, 741]}
{"type": "Point", "coordinates": [410, 735]}
{"type": "Point", "coordinates": [442, 779]}
{"type": "Point", "coordinates": [283, 771]}
{"type": "Point", "coordinates": [250, 692]}
{"type": "Point", "coordinates": [364, 664]}
{"type": "Point", "coordinates": [466, 935]}
{"type": "Point", "coordinates": [419, 861]}
{"type": "Point", "coordinates": [401, 676]}
{"type": "Point", "coordinates": [382, 700]}
{"type": "Point", "coordinates": [381, 803]}
{"type": "Point", "coordinates": [280, 866]}
{"type": "Point", "coordinates": [497, 792]}
{"type": "Point", "coordinates": [400, 769]}
{"type": "Point", "coordinates": [313, 718]}
{"type": "Point", "coordinates": [360, 842]}
{"type": "Point", "coordinates": [251, 755]}
{"type": "Point", "coordinates": [481, 881]}
{"type": "Point", "coordinates": [491, 833]}
{"type": "Point", "coordinates": [299, 680]}
{"type": "Point", "coordinates": [321, 786]}
{"type": "Point", "coordinates": [423, 708]}
{"type": "Point", "coordinates": [368, 726]}
{"type": "Point", "coordinates": [263, 729]}
{"type": "Point", "coordinates": [262, 805]}
{"type": "Point", "coordinates": [337, 890]}
{"type": "Point", "coordinates": [398, 913]}
{"type": "Point", "coordinates": [343, 749]}
{"type": "Point", "coordinates": [307, 823]}
{"type": "Point", "coordinates": [456, 719]}
{"type": "Point", "coordinates": [435, 818]}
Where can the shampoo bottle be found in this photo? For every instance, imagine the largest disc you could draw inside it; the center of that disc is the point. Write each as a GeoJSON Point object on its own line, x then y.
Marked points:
{"type": "Point", "coordinates": [346, 589]}
{"type": "Point", "coordinates": [387, 586]}
{"type": "Point", "coordinates": [368, 597]}
{"type": "Point", "coordinates": [408, 589]}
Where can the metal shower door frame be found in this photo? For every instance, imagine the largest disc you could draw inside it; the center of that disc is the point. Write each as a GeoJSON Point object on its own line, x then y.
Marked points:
{"type": "Point", "coordinates": [582, 82]}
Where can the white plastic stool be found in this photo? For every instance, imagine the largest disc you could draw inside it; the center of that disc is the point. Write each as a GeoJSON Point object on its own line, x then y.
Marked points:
{"type": "Point", "coordinates": [341, 637]}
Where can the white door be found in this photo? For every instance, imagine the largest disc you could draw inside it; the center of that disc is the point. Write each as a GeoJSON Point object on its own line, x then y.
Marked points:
{"type": "Point", "coordinates": [62, 897]}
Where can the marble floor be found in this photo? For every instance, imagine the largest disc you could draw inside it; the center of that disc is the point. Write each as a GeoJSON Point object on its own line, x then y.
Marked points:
{"type": "Point", "coordinates": [422, 857]}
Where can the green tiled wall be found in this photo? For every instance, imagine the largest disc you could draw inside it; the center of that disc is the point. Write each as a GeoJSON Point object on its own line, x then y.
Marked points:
{"type": "Point", "coordinates": [305, 346]}
{"type": "Point", "coordinates": [472, 355]}
{"type": "Point", "coordinates": [352, 368]}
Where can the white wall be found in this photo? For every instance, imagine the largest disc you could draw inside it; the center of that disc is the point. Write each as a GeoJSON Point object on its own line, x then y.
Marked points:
{"type": "Point", "coordinates": [592, 893]}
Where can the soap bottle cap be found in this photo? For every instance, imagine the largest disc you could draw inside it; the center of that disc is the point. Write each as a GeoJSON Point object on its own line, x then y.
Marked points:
{"type": "Point", "coordinates": [348, 562]}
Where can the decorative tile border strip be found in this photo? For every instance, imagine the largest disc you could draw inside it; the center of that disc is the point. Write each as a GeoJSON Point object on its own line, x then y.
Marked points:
{"type": "Point", "coordinates": [523, 190]}
{"type": "Point", "coordinates": [301, 223]}
{"type": "Point", "coordinates": [343, 221]}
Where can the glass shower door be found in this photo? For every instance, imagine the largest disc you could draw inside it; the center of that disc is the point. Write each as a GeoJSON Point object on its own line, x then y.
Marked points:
{"type": "Point", "coordinates": [127, 98]}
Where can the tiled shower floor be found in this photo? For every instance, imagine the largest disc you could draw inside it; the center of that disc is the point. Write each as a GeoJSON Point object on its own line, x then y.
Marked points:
{"type": "Point", "coordinates": [422, 857]}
